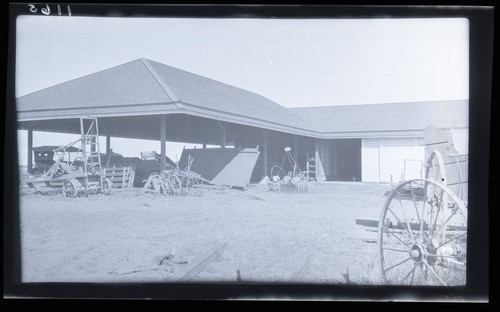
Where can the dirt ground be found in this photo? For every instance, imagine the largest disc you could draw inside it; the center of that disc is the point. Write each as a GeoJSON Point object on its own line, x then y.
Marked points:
{"type": "Point", "coordinates": [131, 236]}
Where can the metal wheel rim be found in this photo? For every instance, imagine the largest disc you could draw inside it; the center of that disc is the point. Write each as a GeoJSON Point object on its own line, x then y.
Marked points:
{"type": "Point", "coordinates": [107, 185]}
{"type": "Point", "coordinates": [69, 190]}
{"type": "Point", "coordinates": [170, 185]}
{"type": "Point", "coordinates": [408, 254]}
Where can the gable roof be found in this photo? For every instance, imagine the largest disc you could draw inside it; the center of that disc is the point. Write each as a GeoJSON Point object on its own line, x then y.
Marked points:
{"type": "Point", "coordinates": [401, 117]}
{"type": "Point", "coordinates": [143, 87]}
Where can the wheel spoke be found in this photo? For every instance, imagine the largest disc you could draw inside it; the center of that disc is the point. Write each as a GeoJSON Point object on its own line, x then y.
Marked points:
{"type": "Point", "coordinates": [392, 233]}
{"type": "Point", "coordinates": [435, 273]}
{"type": "Point", "coordinates": [450, 240]}
{"type": "Point", "coordinates": [394, 249]}
{"type": "Point", "coordinates": [414, 203]}
{"type": "Point", "coordinates": [397, 264]}
{"type": "Point", "coordinates": [453, 213]}
{"type": "Point", "coordinates": [412, 271]}
{"type": "Point", "coordinates": [422, 273]}
{"type": "Point", "coordinates": [424, 206]}
{"type": "Point", "coordinates": [406, 219]}
{"type": "Point", "coordinates": [399, 221]}
{"type": "Point", "coordinates": [437, 228]}
{"type": "Point", "coordinates": [412, 275]}
{"type": "Point", "coordinates": [440, 256]}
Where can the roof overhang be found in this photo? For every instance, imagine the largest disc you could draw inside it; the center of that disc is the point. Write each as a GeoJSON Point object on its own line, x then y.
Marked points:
{"type": "Point", "coordinates": [26, 118]}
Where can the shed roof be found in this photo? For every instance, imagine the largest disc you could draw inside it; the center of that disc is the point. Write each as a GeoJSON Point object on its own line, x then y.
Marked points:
{"type": "Point", "coordinates": [395, 117]}
{"type": "Point", "coordinates": [144, 87]}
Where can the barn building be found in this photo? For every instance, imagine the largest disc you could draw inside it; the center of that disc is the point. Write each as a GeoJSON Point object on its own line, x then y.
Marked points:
{"type": "Point", "coordinates": [147, 100]}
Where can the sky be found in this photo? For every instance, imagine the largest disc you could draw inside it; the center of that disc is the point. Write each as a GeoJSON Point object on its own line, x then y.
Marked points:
{"type": "Point", "coordinates": [294, 62]}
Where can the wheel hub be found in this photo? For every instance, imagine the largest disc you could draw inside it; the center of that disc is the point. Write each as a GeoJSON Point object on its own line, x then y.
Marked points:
{"type": "Point", "coordinates": [416, 253]}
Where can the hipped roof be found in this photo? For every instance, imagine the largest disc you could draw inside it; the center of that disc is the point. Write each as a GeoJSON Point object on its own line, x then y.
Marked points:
{"type": "Point", "coordinates": [145, 87]}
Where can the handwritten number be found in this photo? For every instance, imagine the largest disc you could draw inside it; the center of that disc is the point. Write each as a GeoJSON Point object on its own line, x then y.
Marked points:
{"type": "Point", "coordinates": [32, 8]}
{"type": "Point", "coordinates": [46, 10]}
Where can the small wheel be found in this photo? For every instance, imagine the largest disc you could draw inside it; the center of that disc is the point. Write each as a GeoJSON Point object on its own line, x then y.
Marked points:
{"type": "Point", "coordinates": [417, 245]}
{"type": "Point", "coordinates": [77, 159]}
{"type": "Point", "coordinates": [153, 173]}
{"type": "Point", "coordinates": [170, 184]}
{"type": "Point", "coordinates": [69, 190]}
{"type": "Point", "coordinates": [36, 172]}
{"type": "Point", "coordinates": [106, 186]}
{"type": "Point", "coordinates": [193, 186]}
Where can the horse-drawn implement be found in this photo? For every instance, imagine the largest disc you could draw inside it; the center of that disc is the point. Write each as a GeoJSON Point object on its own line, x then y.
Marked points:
{"type": "Point", "coordinates": [75, 176]}
{"type": "Point", "coordinates": [422, 230]}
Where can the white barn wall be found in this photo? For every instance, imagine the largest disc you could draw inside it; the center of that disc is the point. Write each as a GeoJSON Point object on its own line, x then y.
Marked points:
{"type": "Point", "coordinates": [383, 159]}
{"type": "Point", "coordinates": [370, 161]}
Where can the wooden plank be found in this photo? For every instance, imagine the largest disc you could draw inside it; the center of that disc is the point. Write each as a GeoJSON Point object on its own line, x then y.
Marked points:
{"type": "Point", "coordinates": [131, 179]}
{"type": "Point", "coordinates": [399, 226]}
{"type": "Point", "coordinates": [198, 265]}
{"type": "Point", "coordinates": [119, 176]}
{"type": "Point", "coordinates": [367, 222]}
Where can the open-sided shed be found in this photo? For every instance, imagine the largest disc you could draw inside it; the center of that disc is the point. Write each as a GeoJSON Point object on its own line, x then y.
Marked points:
{"type": "Point", "coordinates": [144, 99]}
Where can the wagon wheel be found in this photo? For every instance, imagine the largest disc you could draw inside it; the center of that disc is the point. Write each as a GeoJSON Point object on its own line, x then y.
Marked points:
{"type": "Point", "coordinates": [69, 190]}
{"type": "Point", "coordinates": [193, 186]}
{"type": "Point", "coordinates": [435, 171]}
{"type": "Point", "coordinates": [170, 185]}
{"type": "Point", "coordinates": [106, 186]}
{"type": "Point", "coordinates": [415, 246]}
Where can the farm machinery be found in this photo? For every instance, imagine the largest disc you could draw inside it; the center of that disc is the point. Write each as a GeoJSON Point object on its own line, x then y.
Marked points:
{"type": "Point", "coordinates": [175, 181]}
{"type": "Point", "coordinates": [75, 176]}
{"type": "Point", "coordinates": [422, 229]}
{"type": "Point", "coordinates": [291, 181]}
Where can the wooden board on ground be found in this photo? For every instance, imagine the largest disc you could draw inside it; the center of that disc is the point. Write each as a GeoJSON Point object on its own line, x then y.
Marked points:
{"type": "Point", "coordinates": [198, 264]}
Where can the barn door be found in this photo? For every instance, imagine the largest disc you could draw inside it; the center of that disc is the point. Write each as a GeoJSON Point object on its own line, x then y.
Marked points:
{"type": "Point", "coordinates": [346, 160]}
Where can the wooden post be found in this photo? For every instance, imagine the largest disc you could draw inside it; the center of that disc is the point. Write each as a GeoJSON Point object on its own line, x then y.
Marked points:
{"type": "Point", "coordinates": [163, 142]}
{"type": "Point", "coordinates": [108, 145]}
{"type": "Point", "coordinates": [295, 148]}
{"type": "Point", "coordinates": [264, 153]}
{"type": "Point", "coordinates": [222, 127]}
{"type": "Point", "coordinates": [319, 156]}
{"type": "Point", "coordinates": [30, 150]}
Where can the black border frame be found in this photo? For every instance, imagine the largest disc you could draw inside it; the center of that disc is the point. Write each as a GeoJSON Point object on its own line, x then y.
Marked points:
{"type": "Point", "coordinates": [480, 98]}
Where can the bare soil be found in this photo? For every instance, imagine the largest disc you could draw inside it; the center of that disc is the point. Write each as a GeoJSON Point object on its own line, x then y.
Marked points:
{"type": "Point", "coordinates": [131, 236]}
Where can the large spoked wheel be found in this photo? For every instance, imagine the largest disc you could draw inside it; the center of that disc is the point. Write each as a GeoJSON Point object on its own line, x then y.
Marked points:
{"type": "Point", "coordinates": [170, 185]}
{"type": "Point", "coordinates": [422, 235]}
{"type": "Point", "coordinates": [435, 169]}
{"type": "Point", "coordinates": [69, 190]}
